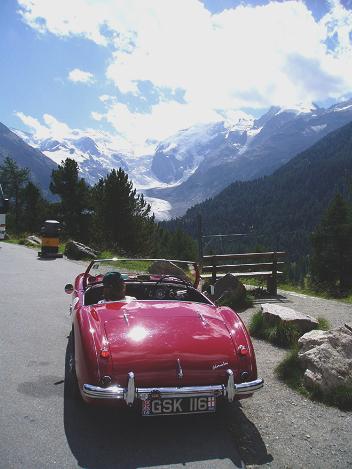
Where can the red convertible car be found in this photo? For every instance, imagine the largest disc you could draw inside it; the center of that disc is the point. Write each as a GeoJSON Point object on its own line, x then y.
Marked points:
{"type": "Point", "coordinates": [168, 350]}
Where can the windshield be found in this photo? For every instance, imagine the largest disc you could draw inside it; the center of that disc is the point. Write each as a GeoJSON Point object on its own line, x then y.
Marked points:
{"type": "Point", "coordinates": [143, 269]}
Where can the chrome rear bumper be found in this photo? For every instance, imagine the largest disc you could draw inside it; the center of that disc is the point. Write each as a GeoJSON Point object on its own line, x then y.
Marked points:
{"type": "Point", "coordinates": [129, 394]}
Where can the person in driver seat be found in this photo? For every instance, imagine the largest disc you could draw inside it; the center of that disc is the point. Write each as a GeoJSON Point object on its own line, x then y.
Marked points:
{"type": "Point", "coordinates": [114, 288]}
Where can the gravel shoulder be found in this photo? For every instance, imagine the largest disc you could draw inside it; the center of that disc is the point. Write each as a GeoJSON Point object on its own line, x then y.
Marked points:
{"type": "Point", "coordinates": [297, 433]}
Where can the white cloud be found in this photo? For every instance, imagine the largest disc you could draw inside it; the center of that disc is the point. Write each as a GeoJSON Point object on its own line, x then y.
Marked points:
{"type": "Point", "coordinates": [165, 119]}
{"type": "Point", "coordinates": [242, 57]}
{"type": "Point", "coordinates": [65, 17]}
{"type": "Point", "coordinates": [52, 128]}
{"type": "Point", "coordinates": [40, 131]}
{"type": "Point", "coordinates": [97, 116]}
{"type": "Point", "coordinates": [105, 97]}
{"type": "Point", "coordinates": [79, 76]}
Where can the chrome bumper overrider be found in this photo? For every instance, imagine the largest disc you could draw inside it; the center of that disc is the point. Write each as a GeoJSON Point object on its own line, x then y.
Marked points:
{"type": "Point", "coordinates": [129, 394]}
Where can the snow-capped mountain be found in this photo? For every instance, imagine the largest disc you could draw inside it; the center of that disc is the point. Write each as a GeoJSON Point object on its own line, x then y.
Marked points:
{"type": "Point", "coordinates": [96, 156]}
{"type": "Point", "coordinates": [11, 145]}
{"type": "Point", "coordinates": [179, 156]}
{"type": "Point", "coordinates": [256, 149]}
{"type": "Point", "coordinates": [198, 162]}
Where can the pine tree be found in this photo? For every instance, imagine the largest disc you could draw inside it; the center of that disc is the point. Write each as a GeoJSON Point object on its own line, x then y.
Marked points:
{"type": "Point", "coordinates": [74, 194]}
{"type": "Point", "coordinates": [34, 209]}
{"type": "Point", "coordinates": [12, 179]}
{"type": "Point", "coordinates": [174, 244]}
{"type": "Point", "coordinates": [332, 244]}
{"type": "Point", "coordinates": [123, 219]}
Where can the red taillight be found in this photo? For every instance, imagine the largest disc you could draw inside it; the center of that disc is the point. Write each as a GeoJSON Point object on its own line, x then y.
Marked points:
{"type": "Point", "coordinates": [243, 351]}
{"type": "Point", "coordinates": [104, 353]}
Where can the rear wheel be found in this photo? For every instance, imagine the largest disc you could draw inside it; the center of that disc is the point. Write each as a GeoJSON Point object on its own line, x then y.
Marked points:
{"type": "Point", "coordinates": [71, 383]}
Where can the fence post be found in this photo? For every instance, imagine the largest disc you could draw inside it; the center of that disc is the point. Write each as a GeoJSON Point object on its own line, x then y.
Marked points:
{"type": "Point", "coordinates": [272, 280]}
{"type": "Point", "coordinates": [213, 271]}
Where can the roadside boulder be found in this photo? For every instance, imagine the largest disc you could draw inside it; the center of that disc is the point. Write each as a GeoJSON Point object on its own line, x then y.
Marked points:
{"type": "Point", "coordinates": [229, 286]}
{"type": "Point", "coordinates": [75, 250]}
{"type": "Point", "coordinates": [33, 240]}
{"type": "Point", "coordinates": [326, 357]}
{"type": "Point", "coordinates": [273, 313]}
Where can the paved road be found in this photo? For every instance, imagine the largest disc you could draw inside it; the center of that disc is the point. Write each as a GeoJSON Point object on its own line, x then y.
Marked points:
{"type": "Point", "coordinates": [39, 428]}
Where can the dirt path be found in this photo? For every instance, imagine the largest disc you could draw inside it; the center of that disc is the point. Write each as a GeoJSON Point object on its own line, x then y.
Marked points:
{"type": "Point", "coordinates": [296, 432]}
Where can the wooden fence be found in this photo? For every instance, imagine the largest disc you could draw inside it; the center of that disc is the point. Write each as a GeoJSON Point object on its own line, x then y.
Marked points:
{"type": "Point", "coordinates": [255, 264]}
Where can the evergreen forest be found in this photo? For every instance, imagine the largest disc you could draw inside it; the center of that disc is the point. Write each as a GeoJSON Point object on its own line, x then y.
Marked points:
{"type": "Point", "coordinates": [304, 209]}
{"type": "Point", "coordinates": [109, 216]}
{"type": "Point", "coordinates": [287, 211]}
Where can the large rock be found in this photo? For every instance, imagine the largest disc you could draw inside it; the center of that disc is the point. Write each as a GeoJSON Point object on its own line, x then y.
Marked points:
{"type": "Point", "coordinates": [326, 357]}
{"type": "Point", "coordinates": [275, 313]}
{"type": "Point", "coordinates": [77, 251]}
{"type": "Point", "coordinates": [229, 285]}
{"type": "Point", "coordinates": [33, 240]}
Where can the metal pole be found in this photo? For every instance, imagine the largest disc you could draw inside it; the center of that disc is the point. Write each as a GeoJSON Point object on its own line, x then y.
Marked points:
{"type": "Point", "coordinates": [200, 239]}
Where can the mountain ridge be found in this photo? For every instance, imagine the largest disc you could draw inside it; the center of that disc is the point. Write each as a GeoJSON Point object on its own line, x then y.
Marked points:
{"type": "Point", "coordinates": [198, 162]}
{"type": "Point", "coordinates": [280, 135]}
{"type": "Point", "coordinates": [287, 204]}
{"type": "Point", "coordinates": [11, 145]}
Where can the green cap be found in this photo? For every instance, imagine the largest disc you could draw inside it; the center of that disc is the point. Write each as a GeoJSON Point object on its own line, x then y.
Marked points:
{"type": "Point", "coordinates": [112, 279]}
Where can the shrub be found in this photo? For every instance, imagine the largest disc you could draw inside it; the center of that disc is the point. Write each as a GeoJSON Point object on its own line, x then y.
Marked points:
{"type": "Point", "coordinates": [278, 333]}
{"type": "Point", "coordinates": [291, 372]}
{"type": "Point", "coordinates": [323, 324]}
{"type": "Point", "coordinates": [234, 302]}
{"type": "Point", "coordinates": [340, 397]}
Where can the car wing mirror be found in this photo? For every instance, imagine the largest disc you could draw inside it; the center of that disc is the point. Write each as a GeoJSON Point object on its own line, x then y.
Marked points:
{"type": "Point", "coordinates": [69, 288]}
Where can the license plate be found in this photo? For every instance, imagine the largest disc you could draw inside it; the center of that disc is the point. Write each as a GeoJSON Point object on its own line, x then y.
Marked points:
{"type": "Point", "coordinates": [186, 405]}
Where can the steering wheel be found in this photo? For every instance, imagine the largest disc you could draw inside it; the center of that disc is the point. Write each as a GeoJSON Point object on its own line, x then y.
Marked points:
{"type": "Point", "coordinates": [159, 293]}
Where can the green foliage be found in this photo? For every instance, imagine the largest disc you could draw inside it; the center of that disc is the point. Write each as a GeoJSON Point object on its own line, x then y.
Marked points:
{"type": "Point", "coordinates": [74, 194]}
{"type": "Point", "coordinates": [291, 372]}
{"type": "Point", "coordinates": [122, 218]}
{"type": "Point", "coordinates": [311, 291]}
{"type": "Point", "coordinates": [34, 209]}
{"type": "Point", "coordinates": [174, 245]}
{"type": "Point", "coordinates": [279, 211]}
{"type": "Point", "coordinates": [340, 397]}
{"type": "Point", "coordinates": [278, 333]}
{"type": "Point", "coordinates": [323, 324]}
{"type": "Point", "coordinates": [332, 244]}
{"type": "Point", "coordinates": [13, 178]}
{"type": "Point", "coordinates": [256, 324]}
{"type": "Point", "coordinates": [236, 303]}
{"type": "Point", "coordinates": [110, 216]}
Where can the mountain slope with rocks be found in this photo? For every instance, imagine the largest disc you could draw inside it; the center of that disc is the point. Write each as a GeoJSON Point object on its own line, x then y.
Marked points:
{"type": "Point", "coordinates": [254, 151]}
{"type": "Point", "coordinates": [26, 157]}
{"type": "Point", "coordinates": [284, 208]}
{"type": "Point", "coordinates": [96, 156]}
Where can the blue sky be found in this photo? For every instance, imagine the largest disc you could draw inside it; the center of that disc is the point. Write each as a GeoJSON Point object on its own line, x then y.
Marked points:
{"type": "Point", "coordinates": [143, 69]}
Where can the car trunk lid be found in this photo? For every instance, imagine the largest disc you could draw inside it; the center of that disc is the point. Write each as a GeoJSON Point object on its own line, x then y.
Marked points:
{"type": "Point", "coordinates": [166, 344]}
